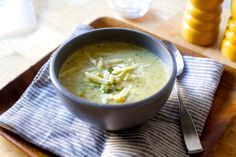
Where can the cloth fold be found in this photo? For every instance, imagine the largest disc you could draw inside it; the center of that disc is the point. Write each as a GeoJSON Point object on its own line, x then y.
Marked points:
{"type": "Point", "coordinates": [40, 117]}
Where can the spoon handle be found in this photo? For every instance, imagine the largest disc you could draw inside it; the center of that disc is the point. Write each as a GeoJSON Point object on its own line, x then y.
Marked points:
{"type": "Point", "coordinates": [191, 139]}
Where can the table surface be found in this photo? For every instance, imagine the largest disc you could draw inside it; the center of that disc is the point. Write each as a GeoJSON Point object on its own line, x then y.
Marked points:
{"type": "Point", "coordinates": [56, 20]}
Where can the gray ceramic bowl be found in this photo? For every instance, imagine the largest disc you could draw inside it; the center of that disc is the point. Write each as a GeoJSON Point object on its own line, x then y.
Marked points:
{"type": "Point", "coordinates": [113, 117]}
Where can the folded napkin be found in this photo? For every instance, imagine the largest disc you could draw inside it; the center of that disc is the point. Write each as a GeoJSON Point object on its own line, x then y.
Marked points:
{"type": "Point", "coordinates": [40, 117]}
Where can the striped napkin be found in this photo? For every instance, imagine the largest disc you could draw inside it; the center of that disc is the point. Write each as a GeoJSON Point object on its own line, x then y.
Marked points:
{"type": "Point", "coordinates": [40, 117]}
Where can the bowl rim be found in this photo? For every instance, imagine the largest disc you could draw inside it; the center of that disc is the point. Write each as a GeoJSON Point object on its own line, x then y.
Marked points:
{"type": "Point", "coordinates": [85, 102]}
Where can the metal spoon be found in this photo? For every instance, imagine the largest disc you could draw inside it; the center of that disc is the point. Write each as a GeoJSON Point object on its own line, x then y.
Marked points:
{"type": "Point", "coordinates": [189, 132]}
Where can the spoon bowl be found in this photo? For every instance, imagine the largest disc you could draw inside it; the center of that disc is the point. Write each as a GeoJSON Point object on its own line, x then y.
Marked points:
{"type": "Point", "coordinates": [178, 57]}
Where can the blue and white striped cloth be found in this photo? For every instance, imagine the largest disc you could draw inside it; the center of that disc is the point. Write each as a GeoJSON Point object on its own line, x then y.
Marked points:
{"type": "Point", "coordinates": [41, 118]}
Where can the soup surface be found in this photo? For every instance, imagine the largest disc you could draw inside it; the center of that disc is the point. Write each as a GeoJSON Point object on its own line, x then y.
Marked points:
{"type": "Point", "coordinates": [113, 73]}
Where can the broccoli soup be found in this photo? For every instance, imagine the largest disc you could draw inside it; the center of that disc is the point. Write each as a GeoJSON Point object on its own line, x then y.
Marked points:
{"type": "Point", "coordinates": [113, 73]}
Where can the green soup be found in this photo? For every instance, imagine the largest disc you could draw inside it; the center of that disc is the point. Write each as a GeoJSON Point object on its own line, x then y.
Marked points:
{"type": "Point", "coordinates": [113, 73]}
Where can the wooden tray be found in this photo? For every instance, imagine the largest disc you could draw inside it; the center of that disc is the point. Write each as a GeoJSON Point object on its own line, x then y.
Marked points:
{"type": "Point", "coordinates": [223, 109]}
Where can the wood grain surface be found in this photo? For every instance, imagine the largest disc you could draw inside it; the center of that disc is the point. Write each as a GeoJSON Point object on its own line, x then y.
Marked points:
{"type": "Point", "coordinates": [58, 18]}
